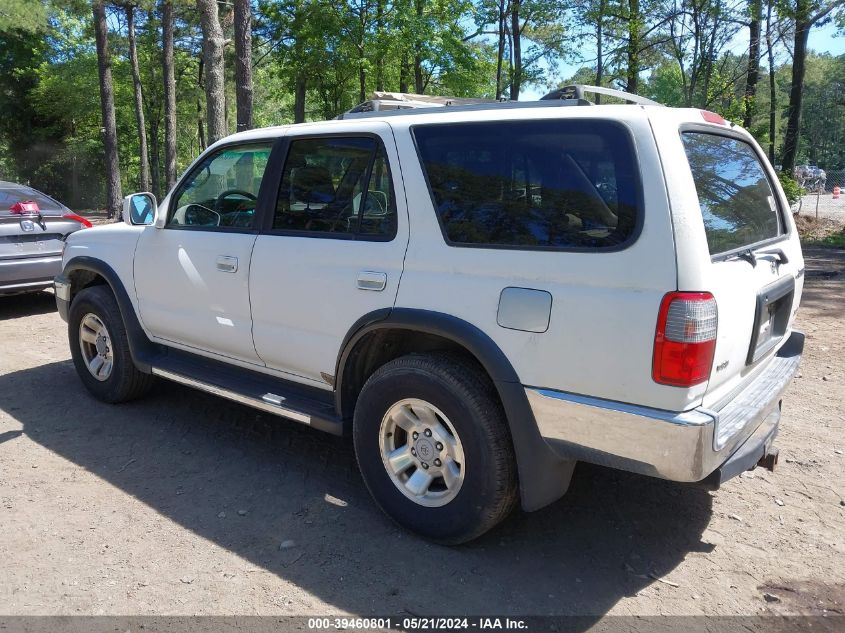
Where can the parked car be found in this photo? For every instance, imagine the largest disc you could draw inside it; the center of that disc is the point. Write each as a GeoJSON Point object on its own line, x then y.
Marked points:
{"type": "Point", "coordinates": [480, 295]}
{"type": "Point", "coordinates": [33, 228]}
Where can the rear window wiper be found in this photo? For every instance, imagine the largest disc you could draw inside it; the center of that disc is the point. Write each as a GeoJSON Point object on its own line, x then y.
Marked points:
{"type": "Point", "coordinates": [776, 251]}
{"type": "Point", "coordinates": [747, 255]}
{"type": "Point", "coordinates": [751, 257]}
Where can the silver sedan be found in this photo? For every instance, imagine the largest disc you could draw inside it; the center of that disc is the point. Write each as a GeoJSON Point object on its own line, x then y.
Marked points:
{"type": "Point", "coordinates": [33, 228]}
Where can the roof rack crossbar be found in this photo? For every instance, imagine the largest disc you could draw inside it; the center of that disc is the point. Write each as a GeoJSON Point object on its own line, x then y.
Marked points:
{"type": "Point", "coordinates": [397, 104]}
{"type": "Point", "coordinates": [430, 109]}
{"type": "Point", "coordinates": [576, 91]}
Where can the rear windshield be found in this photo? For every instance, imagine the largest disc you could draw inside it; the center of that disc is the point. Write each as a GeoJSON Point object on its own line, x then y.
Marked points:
{"type": "Point", "coordinates": [11, 196]}
{"type": "Point", "coordinates": [736, 198]}
{"type": "Point", "coordinates": [557, 184]}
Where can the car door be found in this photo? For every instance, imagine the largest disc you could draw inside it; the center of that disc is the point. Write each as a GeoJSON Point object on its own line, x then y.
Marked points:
{"type": "Point", "coordinates": [752, 264]}
{"type": "Point", "coordinates": [331, 251]}
{"type": "Point", "coordinates": [192, 275]}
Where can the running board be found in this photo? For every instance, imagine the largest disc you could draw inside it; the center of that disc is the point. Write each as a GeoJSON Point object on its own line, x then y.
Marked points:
{"type": "Point", "coordinates": [255, 390]}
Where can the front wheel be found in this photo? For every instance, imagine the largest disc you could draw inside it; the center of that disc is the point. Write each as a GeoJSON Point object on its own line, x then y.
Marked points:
{"type": "Point", "coordinates": [100, 347]}
{"type": "Point", "coordinates": [434, 448]}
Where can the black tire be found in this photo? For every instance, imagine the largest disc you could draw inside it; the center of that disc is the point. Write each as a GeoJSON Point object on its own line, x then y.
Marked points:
{"type": "Point", "coordinates": [468, 399]}
{"type": "Point", "coordinates": [125, 381]}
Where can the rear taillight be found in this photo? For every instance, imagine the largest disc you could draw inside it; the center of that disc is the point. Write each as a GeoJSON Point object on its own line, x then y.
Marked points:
{"type": "Point", "coordinates": [685, 339]}
{"type": "Point", "coordinates": [78, 218]}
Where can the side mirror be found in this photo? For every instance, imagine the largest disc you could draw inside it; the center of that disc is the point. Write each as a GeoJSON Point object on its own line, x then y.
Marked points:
{"type": "Point", "coordinates": [139, 209]}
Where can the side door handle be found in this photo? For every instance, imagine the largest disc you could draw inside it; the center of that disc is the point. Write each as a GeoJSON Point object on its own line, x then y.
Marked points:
{"type": "Point", "coordinates": [372, 280]}
{"type": "Point", "coordinates": [227, 264]}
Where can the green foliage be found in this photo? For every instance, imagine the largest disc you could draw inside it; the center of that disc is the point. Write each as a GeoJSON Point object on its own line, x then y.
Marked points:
{"type": "Point", "coordinates": [791, 189]}
{"type": "Point", "coordinates": [683, 53]}
{"type": "Point", "coordinates": [28, 16]}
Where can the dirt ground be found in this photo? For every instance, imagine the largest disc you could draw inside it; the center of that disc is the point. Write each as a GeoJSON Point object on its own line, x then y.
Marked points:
{"type": "Point", "coordinates": [186, 504]}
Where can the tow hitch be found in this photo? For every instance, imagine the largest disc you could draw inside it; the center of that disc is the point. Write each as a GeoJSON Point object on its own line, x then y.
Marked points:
{"type": "Point", "coordinates": [769, 459]}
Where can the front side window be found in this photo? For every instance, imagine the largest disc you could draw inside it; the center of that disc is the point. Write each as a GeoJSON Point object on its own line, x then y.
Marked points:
{"type": "Point", "coordinates": [736, 198]}
{"type": "Point", "coordinates": [532, 184]}
{"type": "Point", "coordinates": [222, 191]}
{"type": "Point", "coordinates": [338, 186]}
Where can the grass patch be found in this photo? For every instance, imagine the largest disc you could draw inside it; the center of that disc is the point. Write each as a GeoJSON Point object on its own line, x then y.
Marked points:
{"type": "Point", "coordinates": [834, 240]}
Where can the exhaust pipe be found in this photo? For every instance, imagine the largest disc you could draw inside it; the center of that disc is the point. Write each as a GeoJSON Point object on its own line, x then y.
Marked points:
{"type": "Point", "coordinates": [769, 459]}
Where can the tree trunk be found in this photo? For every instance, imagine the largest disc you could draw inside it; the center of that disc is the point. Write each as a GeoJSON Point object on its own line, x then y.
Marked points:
{"type": "Point", "coordinates": [633, 52]}
{"type": "Point", "coordinates": [299, 99]}
{"type": "Point", "coordinates": [773, 110]}
{"type": "Point", "coordinates": [144, 177]}
{"type": "Point", "coordinates": [419, 86]}
{"type": "Point", "coordinates": [516, 35]}
{"type": "Point", "coordinates": [799, 58]}
{"type": "Point", "coordinates": [599, 48]}
{"type": "Point", "coordinates": [380, 45]}
{"type": "Point", "coordinates": [243, 63]}
{"type": "Point", "coordinates": [215, 87]}
{"type": "Point", "coordinates": [753, 76]}
{"type": "Point", "coordinates": [404, 71]}
{"type": "Point", "coordinates": [169, 96]}
{"type": "Point", "coordinates": [200, 128]}
{"type": "Point", "coordinates": [113, 190]}
{"type": "Point", "coordinates": [155, 157]}
{"type": "Point", "coordinates": [500, 53]}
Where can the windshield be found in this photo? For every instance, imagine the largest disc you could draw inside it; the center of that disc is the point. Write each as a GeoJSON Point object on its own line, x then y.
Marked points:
{"type": "Point", "coordinates": [11, 196]}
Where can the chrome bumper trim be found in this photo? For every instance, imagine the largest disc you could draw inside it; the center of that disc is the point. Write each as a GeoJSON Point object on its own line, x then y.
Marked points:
{"type": "Point", "coordinates": [670, 445]}
{"type": "Point", "coordinates": [733, 416]}
{"type": "Point", "coordinates": [62, 289]}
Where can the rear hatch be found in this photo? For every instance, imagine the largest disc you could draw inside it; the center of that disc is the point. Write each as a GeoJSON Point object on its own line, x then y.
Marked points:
{"type": "Point", "coordinates": [32, 234]}
{"type": "Point", "coordinates": [746, 254]}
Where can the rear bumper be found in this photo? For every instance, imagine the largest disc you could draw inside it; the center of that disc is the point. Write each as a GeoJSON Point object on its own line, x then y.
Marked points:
{"type": "Point", "coordinates": [686, 446]}
{"type": "Point", "coordinates": [28, 273]}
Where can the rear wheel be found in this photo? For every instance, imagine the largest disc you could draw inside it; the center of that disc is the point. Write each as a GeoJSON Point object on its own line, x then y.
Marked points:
{"type": "Point", "coordinates": [100, 347]}
{"type": "Point", "coordinates": [434, 449]}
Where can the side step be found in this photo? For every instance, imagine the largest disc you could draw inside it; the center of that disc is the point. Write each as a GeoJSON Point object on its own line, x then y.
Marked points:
{"type": "Point", "coordinates": [286, 399]}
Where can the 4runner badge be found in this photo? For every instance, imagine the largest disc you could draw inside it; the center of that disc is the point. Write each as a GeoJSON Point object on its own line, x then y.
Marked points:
{"type": "Point", "coordinates": [722, 366]}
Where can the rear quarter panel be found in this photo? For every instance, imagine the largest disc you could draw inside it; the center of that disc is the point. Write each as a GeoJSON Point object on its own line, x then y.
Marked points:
{"type": "Point", "coordinates": [604, 304]}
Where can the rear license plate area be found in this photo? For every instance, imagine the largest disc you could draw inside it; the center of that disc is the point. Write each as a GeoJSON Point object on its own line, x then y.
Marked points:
{"type": "Point", "coordinates": [771, 318]}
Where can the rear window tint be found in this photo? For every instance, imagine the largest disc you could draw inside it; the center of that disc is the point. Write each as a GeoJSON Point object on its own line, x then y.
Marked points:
{"type": "Point", "coordinates": [736, 198]}
{"type": "Point", "coordinates": [10, 197]}
{"type": "Point", "coordinates": [532, 184]}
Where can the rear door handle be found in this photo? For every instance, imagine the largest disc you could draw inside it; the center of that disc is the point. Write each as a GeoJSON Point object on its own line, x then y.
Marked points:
{"type": "Point", "coordinates": [227, 264]}
{"type": "Point", "coordinates": [372, 280]}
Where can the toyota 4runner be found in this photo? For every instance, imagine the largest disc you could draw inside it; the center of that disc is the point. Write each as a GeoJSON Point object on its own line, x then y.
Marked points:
{"type": "Point", "coordinates": [481, 295]}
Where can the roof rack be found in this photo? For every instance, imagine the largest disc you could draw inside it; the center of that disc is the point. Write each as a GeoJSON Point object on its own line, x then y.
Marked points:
{"type": "Point", "coordinates": [393, 102]}
{"type": "Point", "coordinates": [576, 91]}
{"type": "Point", "coordinates": [398, 103]}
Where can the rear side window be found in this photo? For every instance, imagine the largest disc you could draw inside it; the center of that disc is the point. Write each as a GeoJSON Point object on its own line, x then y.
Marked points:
{"type": "Point", "coordinates": [736, 198]}
{"type": "Point", "coordinates": [532, 184]}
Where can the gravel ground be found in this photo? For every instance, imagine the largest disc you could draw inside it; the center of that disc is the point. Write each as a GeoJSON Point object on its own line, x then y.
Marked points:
{"type": "Point", "coordinates": [187, 504]}
{"type": "Point", "coordinates": [828, 207]}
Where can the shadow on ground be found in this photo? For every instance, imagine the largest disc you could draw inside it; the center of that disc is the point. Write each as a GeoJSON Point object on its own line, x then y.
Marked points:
{"type": "Point", "coordinates": [190, 457]}
{"type": "Point", "coordinates": [823, 287]}
{"type": "Point", "coordinates": [17, 306]}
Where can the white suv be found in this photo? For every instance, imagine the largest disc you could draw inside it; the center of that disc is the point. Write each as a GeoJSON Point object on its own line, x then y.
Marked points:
{"type": "Point", "coordinates": [482, 295]}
